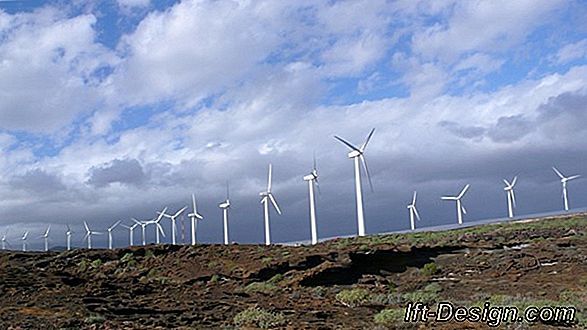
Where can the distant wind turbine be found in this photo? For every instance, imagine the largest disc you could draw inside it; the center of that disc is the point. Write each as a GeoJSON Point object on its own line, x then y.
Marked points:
{"type": "Point", "coordinates": [194, 217]}
{"type": "Point", "coordinates": [564, 181]}
{"type": "Point", "coordinates": [173, 219]}
{"type": "Point", "coordinates": [143, 227]}
{"type": "Point", "coordinates": [68, 237]}
{"type": "Point", "coordinates": [460, 208]}
{"type": "Point", "coordinates": [110, 229]}
{"type": "Point", "coordinates": [266, 197]}
{"type": "Point", "coordinates": [413, 212]}
{"type": "Point", "coordinates": [4, 242]}
{"type": "Point", "coordinates": [312, 179]}
{"type": "Point", "coordinates": [357, 154]}
{"type": "Point", "coordinates": [158, 223]}
{"type": "Point", "coordinates": [225, 205]}
{"type": "Point", "coordinates": [24, 238]}
{"type": "Point", "coordinates": [89, 234]}
{"type": "Point", "coordinates": [46, 237]}
{"type": "Point", "coordinates": [509, 189]}
{"type": "Point", "coordinates": [130, 233]}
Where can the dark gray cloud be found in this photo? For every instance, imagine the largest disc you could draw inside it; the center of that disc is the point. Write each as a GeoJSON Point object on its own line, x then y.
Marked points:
{"type": "Point", "coordinates": [124, 171]}
{"type": "Point", "coordinates": [37, 180]}
{"type": "Point", "coordinates": [510, 129]}
{"type": "Point", "coordinates": [462, 131]}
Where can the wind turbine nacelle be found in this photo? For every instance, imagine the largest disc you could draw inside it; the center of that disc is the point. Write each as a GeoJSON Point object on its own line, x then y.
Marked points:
{"type": "Point", "coordinates": [224, 205]}
{"type": "Point", "coordinates": [354, 153]}
{"type": "Point", "coordinates": [309, 177]}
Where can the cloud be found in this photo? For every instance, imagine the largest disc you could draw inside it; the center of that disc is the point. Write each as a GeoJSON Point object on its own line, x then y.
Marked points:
{"type": "Point", "coordinates": [510, 128]}
{"type": "Point", "coordinates": [571, 52]}
{"type": "Point", "coordinates": [123, 171]}
{"type": "Point", "coordinates": [466, 132]}
{"type": "Point", "coordinates": [38, 181]}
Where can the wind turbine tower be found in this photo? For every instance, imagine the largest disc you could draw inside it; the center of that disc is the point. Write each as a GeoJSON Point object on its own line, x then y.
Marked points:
{"type": "Point", "coordinates": [312, 179]}
{"type": "Point", "coordinates": [357, 155]}
{"type": "Point", "coordinates": [564, 181]}
{"type": "Point", "coordinates": [267, 196]}
{"type": "Point", "coordinates": [89, 234]}
{"type": "Point", "coordinates": [68, 237]}
{"type": "Point", "coordinates": [173, 219]}
{"type": "Point", "coordinates": [24, 238]}
{"type": "Point", "coordinates": [110, 234]}
{"type": "Point", "coordinates": [460, 208]}
{"type": "Point", "coordinates": [46, 237]}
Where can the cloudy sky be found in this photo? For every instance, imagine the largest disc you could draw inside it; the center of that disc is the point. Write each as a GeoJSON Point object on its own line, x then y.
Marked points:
{"type": "Point", "coordinates": [112, 109]}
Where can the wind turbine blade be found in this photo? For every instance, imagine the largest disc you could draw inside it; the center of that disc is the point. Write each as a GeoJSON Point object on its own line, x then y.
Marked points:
{"type": "Point", "coordinates": [194, 202]}
{"type": "Point", "coordinates": [506, 183]}
{"type": "Point", "coordinates": [87, 227]}
{"type": "Point", "coordinates": [367, 140]}
{"type": "Point", "coordinates": [449, 198]}
{"type": "Point", "coordinates": [464, 209]}
{"type": "Point", "coordinates": [463, 191]}
{"type": "Point", "coordinates": [514, 180]}
{"type": "Point", "coordinates": [573, 177]}
{"type": "Point", "coordinates": [137, 221]}
{"type": "Point", "coordinates": [68, 229]}
{"type": "Point", "coordinates": [314, 160]}
{"type": "Point", "coordinates": [416, 213]}
{"type": "Point", "coordinates": [269, 178]}
{"type": "Point", "coordinates": [274, 203]}
{"type": "Point", "coordinates": [414, 198]}
{"type": "Point", "coordinates": [179, 212]}
{"type": "Point", "coordinates": [115, 224]}
{"type": "Point", "coordinates": [160, 229]}
{"type": "Point", "coordinates": [513, 197]}
{"type": "Point", "coordinates": [367, 171]}
{"type": "Point", "coordinates": [227, 190]}
{"type": "Point", "coordinates": [162, 214]}
{"type": "Point", "coordinates": [347, 144]}
{"type": "Point", "coordinates": [47, 231]}
{"type": "Point", "coordinates": [558, 173]}
{"type": "Point", "coordinates": [317, 186]}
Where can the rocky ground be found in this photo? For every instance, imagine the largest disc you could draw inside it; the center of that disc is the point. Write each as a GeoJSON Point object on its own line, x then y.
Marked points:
{"type": "Point", "coordinates": [358, 283]}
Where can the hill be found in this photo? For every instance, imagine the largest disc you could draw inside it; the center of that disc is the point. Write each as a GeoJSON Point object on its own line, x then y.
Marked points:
{"type": "Point", "coordinates": [353, 283]}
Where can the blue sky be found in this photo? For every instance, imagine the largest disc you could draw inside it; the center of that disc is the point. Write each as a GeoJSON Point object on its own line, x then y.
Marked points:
{"type": "Point", "coordinates": [113, 109]}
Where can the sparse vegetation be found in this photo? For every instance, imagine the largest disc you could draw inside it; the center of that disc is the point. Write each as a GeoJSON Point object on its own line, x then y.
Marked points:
{"type": "Point", "coordinates": [95, 319]}
{"type": "Point", "coordinates": [255, 316]}
{"type": "Point", "coordinates": [427, 295]}
{"type": "Point", "coordinates": [353, 297]}
{"type": "Point", "coordinates": [389, 317]}
{"type": "Point", "coordinates": [429, 269]}
{"type": "Point", "coordinates": [260, 287]}
{"type": "Point", "coordinates": [276, 279]}
{"type": "Point", "coordinates": [96, 263]}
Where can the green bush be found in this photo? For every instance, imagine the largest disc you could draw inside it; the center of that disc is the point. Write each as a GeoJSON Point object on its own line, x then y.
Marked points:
{"type": "Point", "coordinates": [83, 265]}
{"type": "Point", "coordinates": [427, 295]}
{"type": "Point", "coordinates": [255, 316]}
{"type": "Point", "coordinates": [389, 316]}
{"type": "Point", "coordinates": [276, 279]}
{"type": "Point", "coordinates": [429, 269]}
{"type": "Point", "coordinates": [260, 287]}
{"type": "Point", "coordinates": [96, 263]}
{"type": "Point", "coordinates": [353, 297]}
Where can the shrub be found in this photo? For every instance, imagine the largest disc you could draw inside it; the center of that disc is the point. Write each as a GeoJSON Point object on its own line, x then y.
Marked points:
{"type": "Point", "coordinates": [429, 269]}
{"type": "Point", "coordinates": [83, 265]}
{"type": "Point", "coordinates": [260, 287]}
{"type": "Point", "coordinates": [259, 317]}
{"type": "Point", "coordinates": [214, 279]}
{"type": "Point", "coordinates": [96, 263]}
{"type": "Point", "coordinates": [94, 319]}
{"type": "Point", "coordinates": [353, 297]}
{"type": "Point", "coordinates": [427, 295]}
{"type": "Point", "coordinates": [276, 279]}
{"type": "Point", "coordinates": [389, 316]}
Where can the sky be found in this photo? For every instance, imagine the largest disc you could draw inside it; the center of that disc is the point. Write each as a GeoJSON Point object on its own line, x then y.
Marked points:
{"type": "Point", "coordinates": [115, 109]}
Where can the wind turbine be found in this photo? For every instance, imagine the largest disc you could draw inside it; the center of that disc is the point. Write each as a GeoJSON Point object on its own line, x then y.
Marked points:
{"type": "Point", "coordinates": [413, 212]}
{"type": "Point", "coordinates": [68, 237]}
{"type": "Point", "coordinates": [130, 231]}
{"type": "Point", "coordinates": [89, 234]}
{"type": "Point", "coordinates": [225, 206]}
{"type": "Point", "coordinates": [46, 237]}
{"type": "Point", "coordinates": [159, 228]}
{"type": "Point", "coordinates": [143, 227]}
{"type": "Point", "coordinates": [312, 179]}
{"type": "Point", "coordinates": [267, 196]}
{"type": "Point", "coordinates": [509, 189]}
{"type": "Point", "coordinates": [24, 238]}
{"type": "Point", "coordinates": [173, 219]}
{"type": "Point", "coordinates": [460, 208]}
{"type": "Point", "coordinates": [194, 217]}
{"type": "Point", "coordinates": [357, 154]}
{"type": "Point", "coordinates": [564, 181]}
{"type": "Point", "coordinates": [4, 242]}
{"type": "Point", "coordinates": [110, 234]}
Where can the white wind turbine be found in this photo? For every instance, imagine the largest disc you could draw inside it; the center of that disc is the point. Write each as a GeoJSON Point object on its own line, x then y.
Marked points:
{"type": "Point", "coordinates": [68, 237]}
{"type": "Point", "coordinates": [225, 205]}
{"type": "Point", "coordinates": [509, 189]}
{"type": "Point", "coordinates": [267, 196]}
{"type": "Point", "coordinates": [143, 227]}
{"type": "Point", "coordinates": [110, 229]}
{"type": "Point", "coordinates": [130, 232]}
{"type": "Point", "coordinates": [413, 212]}
{"type": "Point", "coordinates": [4, 242]}
{"type": "Point", "coordinates": [460, 208]}
{"type": "Point", "coordinates": [173, 219]}
{"type": "Point", "coordinates": [46, 237]}
{"type": "Point", "coordinates": [24, 238]}
{"type": "Point", "coordinates": [312, 179]}
{"type": "Point", "coordinates": [357, 154]}
{"type": "Point", "coordinates": [564, 181]}
{"type": "Point", "coordinates": [89, 234]}
{"type": "Point", "coordinates": [159, 229]}
{"type": "Point", "coordinates": [194, 217]}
